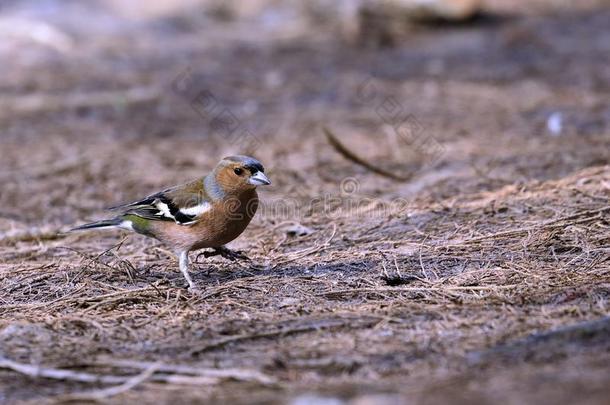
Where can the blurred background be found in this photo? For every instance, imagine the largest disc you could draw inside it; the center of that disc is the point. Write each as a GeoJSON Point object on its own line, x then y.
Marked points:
{"type": "Point", "coordinates": [483, 115]}
{"type": "Point", "coordinates": [518, 91]}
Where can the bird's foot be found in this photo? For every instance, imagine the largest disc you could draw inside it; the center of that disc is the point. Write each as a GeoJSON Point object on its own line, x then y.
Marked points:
{"type": "Point", "coordinates": [229, 254]}
{"type": "Point", "coordinates": [193, 289]}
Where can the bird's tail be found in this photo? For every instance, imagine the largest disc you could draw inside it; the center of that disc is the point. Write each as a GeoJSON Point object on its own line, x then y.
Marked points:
{"type": "Point", "coordinates": [105, 224]}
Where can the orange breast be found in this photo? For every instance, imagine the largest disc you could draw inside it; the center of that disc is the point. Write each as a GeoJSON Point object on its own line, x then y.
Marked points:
{"type": "Point", "coordinates": [220, 225]}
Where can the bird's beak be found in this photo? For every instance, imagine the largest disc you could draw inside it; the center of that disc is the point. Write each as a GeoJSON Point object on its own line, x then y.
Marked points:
{"type": "Point", "coordinates": [259, 179]}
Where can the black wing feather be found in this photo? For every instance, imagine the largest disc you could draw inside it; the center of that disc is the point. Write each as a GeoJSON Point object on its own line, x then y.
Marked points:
{"type": "Point", "coordinates": [148, 208]}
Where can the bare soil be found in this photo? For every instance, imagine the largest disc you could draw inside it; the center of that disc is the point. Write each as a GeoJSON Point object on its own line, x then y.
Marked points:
{"type": "Point", "coordinates": [482, 277]}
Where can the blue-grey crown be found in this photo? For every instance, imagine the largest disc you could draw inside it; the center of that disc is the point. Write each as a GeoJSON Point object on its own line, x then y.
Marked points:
{"type": "Point", "coordinates": [248, 162]}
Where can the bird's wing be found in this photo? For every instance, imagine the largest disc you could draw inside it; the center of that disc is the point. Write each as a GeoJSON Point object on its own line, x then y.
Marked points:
{"type": "Point", "coordinates": [183, 204]}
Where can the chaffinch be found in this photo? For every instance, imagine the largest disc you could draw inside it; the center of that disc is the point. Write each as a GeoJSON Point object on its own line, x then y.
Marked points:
{"type": "Point", "coordinates": [205, 213]}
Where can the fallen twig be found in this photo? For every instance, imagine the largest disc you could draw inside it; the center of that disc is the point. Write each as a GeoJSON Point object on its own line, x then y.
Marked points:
{"type": "Point", "coordinates": [416, 289]}
{"type": "Point", "coordinates": [157, 372]}
{"type": "Point", "coordinates": [280, 332]}
{"type": "Point", "coordinates": [348, 154]}
{"type": "Point", "coordinates": [98, 395]}
{"type": "Point", "coordinates": [59, 374]}
{"type": "Point", "coordinates": [227, 373]}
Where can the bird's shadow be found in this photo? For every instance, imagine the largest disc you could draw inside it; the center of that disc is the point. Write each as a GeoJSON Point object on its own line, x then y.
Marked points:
{"type": "Point", "coordinates": [218, 271]}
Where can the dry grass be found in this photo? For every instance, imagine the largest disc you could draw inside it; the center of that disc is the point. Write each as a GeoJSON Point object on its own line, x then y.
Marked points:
{"type": "Point", "coordinates": [489, 281]}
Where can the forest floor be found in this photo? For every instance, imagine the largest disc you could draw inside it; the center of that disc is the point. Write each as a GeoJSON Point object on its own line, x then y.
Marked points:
{"type": "Point", "coordinates": [474, 269]}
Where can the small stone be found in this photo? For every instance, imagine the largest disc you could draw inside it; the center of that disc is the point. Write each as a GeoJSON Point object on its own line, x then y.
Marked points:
{"type": "Point", "coordinates": [297, 230]}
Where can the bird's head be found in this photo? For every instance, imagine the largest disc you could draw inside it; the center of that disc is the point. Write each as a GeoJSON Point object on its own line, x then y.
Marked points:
{"type": "Point", "coordinates": [240, 173]}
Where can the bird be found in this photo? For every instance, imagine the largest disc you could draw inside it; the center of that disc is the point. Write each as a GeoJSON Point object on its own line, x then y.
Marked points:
{"type": "Point", "coordinates": [208, 212]}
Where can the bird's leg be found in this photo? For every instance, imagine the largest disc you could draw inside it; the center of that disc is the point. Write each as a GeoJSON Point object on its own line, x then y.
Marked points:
{"type": "Point", "coordinates": [226, 253]}
{"type": "Point", "coordinates": [184, 268]}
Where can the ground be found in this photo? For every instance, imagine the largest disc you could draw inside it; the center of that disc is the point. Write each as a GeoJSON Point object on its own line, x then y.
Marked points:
{"type": "Point", "coordinates": [474, 268]}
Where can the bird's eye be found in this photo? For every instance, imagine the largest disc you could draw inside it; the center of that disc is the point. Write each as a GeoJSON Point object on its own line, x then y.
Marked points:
{"type": "Point", "coordinates": [238, 171]}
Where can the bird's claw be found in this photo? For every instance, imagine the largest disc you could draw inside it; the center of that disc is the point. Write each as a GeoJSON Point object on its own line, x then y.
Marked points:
{"type": "Point", "coordinates": [229, 254]}
{"type": "Point", "coordinates": [234, 255]}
